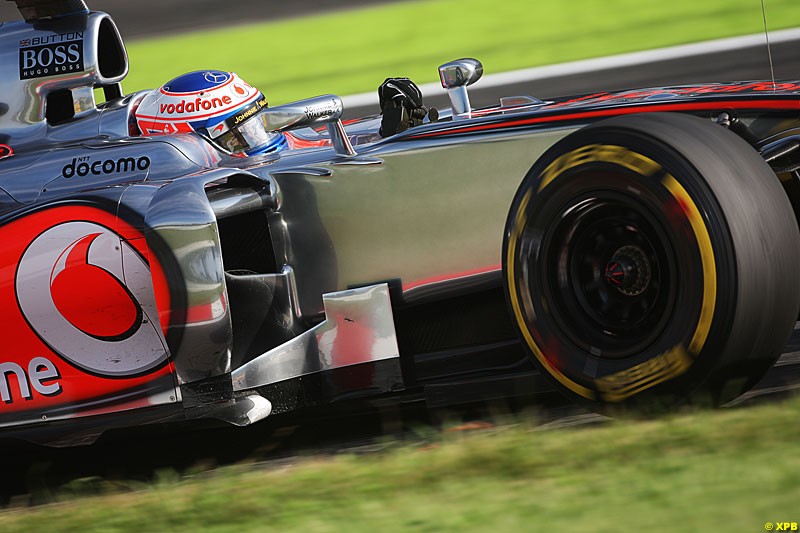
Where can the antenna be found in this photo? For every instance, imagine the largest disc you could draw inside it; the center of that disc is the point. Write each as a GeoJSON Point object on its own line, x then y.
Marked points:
{"type": "Point", "coordinates": [769, 49]}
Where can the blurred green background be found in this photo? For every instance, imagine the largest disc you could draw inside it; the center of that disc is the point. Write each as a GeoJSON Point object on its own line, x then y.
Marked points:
{"type": "Point", "coordinates": [352, 51]}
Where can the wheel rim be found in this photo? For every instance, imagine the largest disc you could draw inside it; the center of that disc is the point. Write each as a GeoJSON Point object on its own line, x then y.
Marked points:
{"type": "Point", "coordinates": [608, 274]}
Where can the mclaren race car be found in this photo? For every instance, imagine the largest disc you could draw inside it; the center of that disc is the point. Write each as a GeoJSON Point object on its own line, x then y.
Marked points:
{"type": "Point", "coordinates": [629, 249]}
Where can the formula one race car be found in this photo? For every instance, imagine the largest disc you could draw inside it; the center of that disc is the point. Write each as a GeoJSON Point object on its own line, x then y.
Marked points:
{"type": "Point", "coordinates": [634, 249]}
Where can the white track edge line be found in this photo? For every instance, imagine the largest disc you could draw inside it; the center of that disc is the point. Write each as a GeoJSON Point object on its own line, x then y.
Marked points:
{"type": "Point", "coordinates": [600, 63]}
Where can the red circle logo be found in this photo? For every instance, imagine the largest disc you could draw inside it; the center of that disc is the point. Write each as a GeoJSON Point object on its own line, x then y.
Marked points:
{"type": "Point", "coordinates": [88, 294]}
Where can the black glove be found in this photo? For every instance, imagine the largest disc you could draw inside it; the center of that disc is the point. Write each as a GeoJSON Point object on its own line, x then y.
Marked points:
{"type": "Point", "coordinates": [401, 105]}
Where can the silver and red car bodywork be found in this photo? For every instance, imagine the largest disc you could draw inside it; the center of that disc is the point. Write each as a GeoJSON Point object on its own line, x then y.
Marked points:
{"type": "Point", "coordinates": [156, 278]}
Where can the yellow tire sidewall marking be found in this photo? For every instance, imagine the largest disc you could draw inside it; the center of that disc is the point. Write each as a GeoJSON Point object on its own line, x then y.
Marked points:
{"type": "Point", "coordinates": [605, 153]}
{"type": "Point", "coordinates": [519, 222]}
{"type": "Point", "coordinates": [706, 257]}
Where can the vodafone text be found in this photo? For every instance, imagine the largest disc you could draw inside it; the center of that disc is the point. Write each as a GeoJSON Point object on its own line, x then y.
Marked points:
{"type": "Point", "coordinates": [195, 105]}
{"type": "Point", "coordinates": [41, 375]}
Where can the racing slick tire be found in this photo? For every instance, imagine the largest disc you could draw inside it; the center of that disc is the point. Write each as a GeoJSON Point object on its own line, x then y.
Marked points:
{"type": "Point", "coordinates": [650, 260]}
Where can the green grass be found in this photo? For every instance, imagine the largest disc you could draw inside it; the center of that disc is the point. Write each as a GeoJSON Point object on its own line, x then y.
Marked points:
{"type": "Point", "coordinates": [351, 52]}
{"type": "Point", "coordinates": [728, 470]}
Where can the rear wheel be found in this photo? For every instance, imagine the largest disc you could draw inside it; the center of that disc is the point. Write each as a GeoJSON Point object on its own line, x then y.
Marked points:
{"type": "Point", "coordinates": [650, 259]}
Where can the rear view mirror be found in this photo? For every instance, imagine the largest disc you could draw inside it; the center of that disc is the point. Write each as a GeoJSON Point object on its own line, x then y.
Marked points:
{"type": "Point", "coordinates": [455, 77]}
{"type": "Point", "coordinates": [303, 113]}
{"type": "Point", "coordinates": [460, 73]}
{"type": "Point", "coordinates": [311, 112]}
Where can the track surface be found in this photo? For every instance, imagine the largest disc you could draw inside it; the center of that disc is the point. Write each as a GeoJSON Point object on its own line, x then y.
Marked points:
{"type": "Point", "coordinates": [141, 18]}
{"type": "Point", "coordinates": [746, 64]}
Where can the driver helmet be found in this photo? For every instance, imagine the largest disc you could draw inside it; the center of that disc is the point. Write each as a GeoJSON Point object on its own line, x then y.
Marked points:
{"type": "Point", "coordinates": [218, 105]}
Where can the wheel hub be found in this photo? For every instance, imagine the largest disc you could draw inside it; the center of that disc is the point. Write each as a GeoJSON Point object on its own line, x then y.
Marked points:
{"type": "Point", "coordinates": [628, 271]}
{"type": "Point", "coordinates": [612, 280]}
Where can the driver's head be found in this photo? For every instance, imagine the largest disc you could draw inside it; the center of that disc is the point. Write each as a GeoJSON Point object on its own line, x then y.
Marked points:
{"type": "Point", "coordinates": [218, 105]}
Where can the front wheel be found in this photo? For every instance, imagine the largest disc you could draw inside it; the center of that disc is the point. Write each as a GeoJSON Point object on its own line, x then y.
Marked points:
{"type": "Point", "coordinates": [650, 259]}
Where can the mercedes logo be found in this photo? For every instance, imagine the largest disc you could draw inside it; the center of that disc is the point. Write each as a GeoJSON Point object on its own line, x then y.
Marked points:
{"type": "Point", "coordinates": [215, 77]}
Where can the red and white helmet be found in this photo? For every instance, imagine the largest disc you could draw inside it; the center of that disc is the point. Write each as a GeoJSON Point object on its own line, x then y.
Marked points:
{"type": "Point", "coordinates": [218, 105]}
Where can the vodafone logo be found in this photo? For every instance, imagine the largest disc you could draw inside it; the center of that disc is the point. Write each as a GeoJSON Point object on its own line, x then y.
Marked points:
{"type": "Point", "coordinates": [193, 106]}
{"type": "Point", "coordinates": [88, 295]}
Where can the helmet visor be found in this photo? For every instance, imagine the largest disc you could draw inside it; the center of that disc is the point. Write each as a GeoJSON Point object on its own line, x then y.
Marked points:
{"type": "Point", "coordinates": [248, 136]}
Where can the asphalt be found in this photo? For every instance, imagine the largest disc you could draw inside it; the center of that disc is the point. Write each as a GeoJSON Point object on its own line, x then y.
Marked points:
{"type": "Point", "coordinates": [744, 64]}
{"type": "Point", "coordinates": [141, 18]}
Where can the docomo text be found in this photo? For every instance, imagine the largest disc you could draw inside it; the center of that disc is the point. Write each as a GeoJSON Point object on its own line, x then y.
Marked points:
{"type": "Point", "coordinates": [82, 166]}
